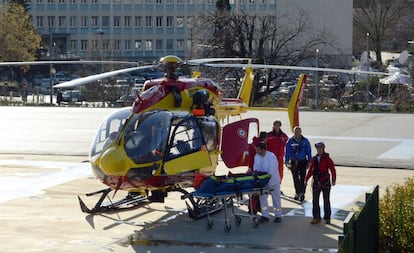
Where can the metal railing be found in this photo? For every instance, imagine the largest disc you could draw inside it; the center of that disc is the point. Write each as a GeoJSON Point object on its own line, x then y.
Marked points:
{"type": "Point", "coordinates": [361, 230]}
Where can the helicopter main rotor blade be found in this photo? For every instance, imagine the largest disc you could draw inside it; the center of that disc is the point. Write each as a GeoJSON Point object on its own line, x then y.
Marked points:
{"type": "Point", "coordinates": [207, 60]}
{"type": "Point", "coordinates": [264, 66]}
{"type": "Point", "coordinates": [17, 63]}
{"type": "Point", "coordinates": [92, 78]}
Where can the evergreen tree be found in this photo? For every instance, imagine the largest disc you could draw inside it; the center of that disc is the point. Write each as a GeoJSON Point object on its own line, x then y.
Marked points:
{"type": "Point", "coordinates": [18, 38]}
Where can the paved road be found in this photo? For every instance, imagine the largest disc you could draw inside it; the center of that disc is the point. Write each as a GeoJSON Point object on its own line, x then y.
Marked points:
{"type": "Point", "coordinates": [353, 139]}
{"type": "Point", "coordinates": [41, 150]}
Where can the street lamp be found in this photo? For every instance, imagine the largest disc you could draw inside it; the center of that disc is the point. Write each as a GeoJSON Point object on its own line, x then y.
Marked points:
{"type": "Point", "coordinates": [317, 83]}
{"type": "Point", "coordinates": [51, 69]}
{"type": "Point", "coordinates": [367, 85]}
{"type": "Point", "coordinates": [101, 33]}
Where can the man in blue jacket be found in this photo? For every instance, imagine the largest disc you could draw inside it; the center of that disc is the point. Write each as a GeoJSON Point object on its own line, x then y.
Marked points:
{"type": "Point", "coordinates": [297, 157]}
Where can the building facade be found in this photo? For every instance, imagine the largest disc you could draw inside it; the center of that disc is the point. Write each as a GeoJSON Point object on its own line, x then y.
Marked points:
{"type": "Point", "coordinates": [149, 29]}
{"type": "Point", "coordinates": [124, 29]}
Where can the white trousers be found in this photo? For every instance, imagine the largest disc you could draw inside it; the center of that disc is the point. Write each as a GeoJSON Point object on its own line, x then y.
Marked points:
{"type": "Point", "coordinates": [277, 206]}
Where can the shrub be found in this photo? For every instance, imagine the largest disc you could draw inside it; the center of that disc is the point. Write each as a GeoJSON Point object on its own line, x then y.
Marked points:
{"type": "Point", "coordinates": [396, 226]}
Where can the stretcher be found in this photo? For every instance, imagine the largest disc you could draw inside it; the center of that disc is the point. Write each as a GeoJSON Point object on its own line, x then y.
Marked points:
{"type": "Point", "coordinates": [230, 200]}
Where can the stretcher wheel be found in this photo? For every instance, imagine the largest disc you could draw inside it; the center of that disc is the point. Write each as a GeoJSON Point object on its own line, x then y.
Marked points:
{"type": "Point", "coordinates": [227, 227]}
{"type": "Point", "coordinates": [238, 220]}
{"type": "Point", "coordinates": [209, 224]}
{"type": "Point", "coordinates": [255, 222]}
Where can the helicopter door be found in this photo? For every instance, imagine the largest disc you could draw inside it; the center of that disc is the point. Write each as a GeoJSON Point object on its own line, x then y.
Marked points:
{"type": "Point", "coordinates": [235, 142]}
{"type": "Point", "coordinates": [187, 150]}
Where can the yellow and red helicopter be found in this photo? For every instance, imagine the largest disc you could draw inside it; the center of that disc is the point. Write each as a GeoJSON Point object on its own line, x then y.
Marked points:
{"type": "Point", "coordinates": [171, 136]}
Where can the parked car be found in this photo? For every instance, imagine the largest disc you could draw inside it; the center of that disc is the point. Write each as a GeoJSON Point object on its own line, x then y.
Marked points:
{"type": "Point", "coordinates": [73, 96]}
{"type": "Point", "coordinates": [125, 100]}
{"type": "Point", "coordinates": [358, 97]}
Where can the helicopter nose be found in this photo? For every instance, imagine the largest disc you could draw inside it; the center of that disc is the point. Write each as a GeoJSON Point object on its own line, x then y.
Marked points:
{"type": "Point", "coordinates": [113, 162]}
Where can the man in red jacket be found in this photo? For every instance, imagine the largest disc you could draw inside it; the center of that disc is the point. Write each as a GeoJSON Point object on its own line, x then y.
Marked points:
{"type": "Point", "coordinates": [320, 166]}
{"type": "Point", "coordinates": [276, 142]}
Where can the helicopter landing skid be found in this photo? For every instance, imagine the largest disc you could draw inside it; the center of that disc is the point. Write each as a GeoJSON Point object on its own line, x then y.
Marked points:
{"type": "Point", "coordinates": [131, 201]}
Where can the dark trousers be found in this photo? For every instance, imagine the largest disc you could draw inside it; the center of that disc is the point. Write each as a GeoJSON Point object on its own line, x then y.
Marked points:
{"type": "Point", "coordinates": [316, 209]}
{"type": "Point", "coordinates": [298, 173]}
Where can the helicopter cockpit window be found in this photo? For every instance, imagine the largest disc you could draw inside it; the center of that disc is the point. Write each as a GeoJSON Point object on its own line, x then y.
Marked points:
{"type": "Point", "coordinates": [185, 137]}
{"type": "Point", "coordinates": [108, 130]}
{"type": "Point", "coordinates": [210, 128]}
{"type": "Point", "coordinates": [146, 136]}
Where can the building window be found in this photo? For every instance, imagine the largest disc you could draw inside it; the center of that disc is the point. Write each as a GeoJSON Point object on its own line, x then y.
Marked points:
{"type": "Point", "coordinates": [117, 45]}
{"type": "Point", "coordinates": [61, 1]}
{"type": "Point", "coordinates": [105, 21]}
{"type": "Point", "coordinates": [39, 1]}
{"type": "Point", "coordinates": [94, 44]}
{"type": "Point", "coordinates": [158, 45]}
{"type": "Point", "coordinates": [127, 44]}
{"type": "Point", "coordinates": [105, 44]}
{"type": "Point", "coordinates": [39, 21]}
{"type": "Point", "coordinates": [148, 21]}
{"type": "Point", "coordinates": [158, 21]}
{"type": "Point", "coordinates": [148, 45]}
{"type": "Point", "coordinates": [170, 44]}
{"type": "Point", "coordinates": [73, 45]}
{"type": "Point", "coordinates": [84, 45]}
{"type": "Point", "coordinates": [73, 21]}
{"type": "Point", "coordinates": [84, 21]}
{"type": "Point", "coordinates": [73, 1]}
{"type": "Point", "coordinates": [117, 21]}
{"type": "Point", "coordinates": [94, 1]}
{"type": "Point", "coordinates": [84, 1]}
{"type": "Point", "coordinates": [138, 45]}
{"type": "Point", "coordinates": [94, 21]}
{"type": "Point", "coordinates": [169, 21]}
{"type": "Point", "coordinates": [179, 1]}
{"type": "Point", "coordinates": [180, 44]}
{"type": "Point", "coordinates": [62, 21]}
{"type": "Point", "coordinates": [138, 21]}
{"type": "Point", "coordinates": [127, 21]}
{"type": "Point", "coordinates": [158, 1]}
{"type": "Point", "coordinates": [180, 21]}
{"type": "Point", "coordinates": [51, 21]}
{"type": "Point", "coordinates": [50, 1]}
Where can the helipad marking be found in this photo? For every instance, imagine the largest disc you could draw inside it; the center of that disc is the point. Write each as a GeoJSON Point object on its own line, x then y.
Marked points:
{"type": "Point", "coordinates": [341, 197]}
{"type": "Point", "coordinates": [355, 138]}
{"type": "Point", "coordinates": [403, 151]}
{"type": "Point", "coordinates": [33, 183]}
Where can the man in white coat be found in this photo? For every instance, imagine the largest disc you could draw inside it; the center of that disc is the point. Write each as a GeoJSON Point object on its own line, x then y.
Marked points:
{"type": "Point", "coordinates": [266, 161]}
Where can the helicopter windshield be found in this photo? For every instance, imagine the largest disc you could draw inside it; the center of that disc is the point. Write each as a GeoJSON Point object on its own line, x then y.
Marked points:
{"type": "Point", "coordinates": [146, 136]}
{"type": "Point", "coordinates": [109, 130]}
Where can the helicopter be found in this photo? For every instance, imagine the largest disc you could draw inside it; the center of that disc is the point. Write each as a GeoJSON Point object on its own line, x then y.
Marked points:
{"type": "Point", "coordinates": [171, 137]}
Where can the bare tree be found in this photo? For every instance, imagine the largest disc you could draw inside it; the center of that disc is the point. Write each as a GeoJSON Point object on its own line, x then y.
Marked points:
{"type": "Point", "coordinates": [375, 19]}
{"type": "Point", "coordinates": [263, 38]}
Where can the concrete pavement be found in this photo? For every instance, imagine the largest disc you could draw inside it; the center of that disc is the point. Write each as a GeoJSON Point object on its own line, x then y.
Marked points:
{"type": "Point", "coordinates": [41, 173]}
{"type": "Point", "coordinates": [49, 220]}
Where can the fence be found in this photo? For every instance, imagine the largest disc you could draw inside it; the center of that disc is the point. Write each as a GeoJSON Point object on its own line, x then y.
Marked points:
{"type": "Point", "coordinates": [361, 229]}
